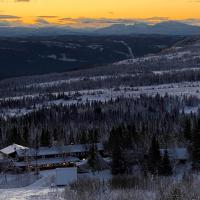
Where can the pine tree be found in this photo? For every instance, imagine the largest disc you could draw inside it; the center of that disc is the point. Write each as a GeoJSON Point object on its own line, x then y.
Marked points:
{"type": "Point", "coordinates": [97, 110]}
{"type": "Point", "coordinates": [15, 137]}
{"type": "Point", "coordinates": [71, 138]}
{"type": "Point", "coordinates": [132, 136]}
{"type": "Point", "coordinates": [196, 146]}
{"type": "Point", "coordinates": [55, 134]}
{"type": "Point", "coordinates": [118, 161]}
{"type": "Point", "coordinates": [25, 136]}
{"type": "Point", "coordinates": [44, 138]}
{"type": "Point", "coordinates": [187, 129]}
{"type": "Point", "coordinates": [166, 168]}
{"type": "Point", "coordinates": [83, 138]}
{"type": "Point", "coordinates": [93, 136]}
{"type": "Point", "coordinates": [154, 160]}
{"type": "Point", "coordinates": [92, 159]}
{"type": "Point", "coordinates": [36, 153]}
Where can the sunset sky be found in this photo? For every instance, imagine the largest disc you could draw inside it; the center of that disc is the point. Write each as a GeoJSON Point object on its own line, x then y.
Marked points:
{"type": "Point", "coordinates": [96, 12]}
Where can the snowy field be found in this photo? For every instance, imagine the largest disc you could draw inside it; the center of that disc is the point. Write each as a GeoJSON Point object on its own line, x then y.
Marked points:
{"type": "Point", "coordinates": [156, 188]}
{"type": "Point", "coordinates": [29, 193]}
{"type": "Point", "coordinates": [37, 190]}
{"type": "Point", "coordinates": [181, 54]}
{"type": "Point", "coordinates": [176, 70]}
{"type": "Point", "coordinates": [42, 189]}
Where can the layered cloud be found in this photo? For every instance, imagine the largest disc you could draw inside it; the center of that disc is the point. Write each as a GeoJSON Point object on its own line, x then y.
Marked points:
{"type": "Point", "coordinates": [5, 17]}
{"type": "Point", "coordinates": [96, 13]}
{"type": "Point", "coordinates": [10, 20]}
{"type": "Point", "coordinates": [17, 1]}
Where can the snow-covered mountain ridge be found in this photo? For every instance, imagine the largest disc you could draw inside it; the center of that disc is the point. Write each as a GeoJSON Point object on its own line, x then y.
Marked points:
{"type": "Point", "coordinates": [186, 51]}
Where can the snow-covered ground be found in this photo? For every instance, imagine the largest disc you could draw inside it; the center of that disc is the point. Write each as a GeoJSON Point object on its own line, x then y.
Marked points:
{"type": "Point", "coordinates": [180, 53]}
{"type": "Point", "coordinates": [190, 109]}
{"type": "Point", "coordinates": [61, 57]}
{"type": "Point", "coordinates": [104, 95]}
{"type": "Point", "coordinates": [176, 70]}
{"type": "Point", "coordinates": [175, 89]}
{"type": "Point", "coordinates": [41, 189]}
{"type": "Point", "coordinates": [30, 193]}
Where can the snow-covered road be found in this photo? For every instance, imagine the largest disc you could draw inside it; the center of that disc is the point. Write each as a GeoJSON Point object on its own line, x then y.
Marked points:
{"type": "Point", "coordinates": [24, 193]}
{"type": "Point", "coordinates": [40, 188]}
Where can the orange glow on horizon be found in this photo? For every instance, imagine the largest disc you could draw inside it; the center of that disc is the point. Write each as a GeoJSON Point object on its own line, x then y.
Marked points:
{"type": "Point", "coordinates": [28, 11]}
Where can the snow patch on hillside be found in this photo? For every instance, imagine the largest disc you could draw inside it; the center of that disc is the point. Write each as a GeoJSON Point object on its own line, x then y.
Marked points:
{"type": "Point", "coordinates": [104, 95]}
{"type": "Point", "coordinates": [169, 56]}
{"type": "Point", "coordinates": [61, 57]}
{"type": "Point", "coordinates": [72, 80]}
{"type": "Point", "coordinates": [176, 70]}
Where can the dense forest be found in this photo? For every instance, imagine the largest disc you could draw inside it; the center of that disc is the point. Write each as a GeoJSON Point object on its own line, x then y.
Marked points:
{"type": "Point", "coordinates": [140, 105]}
{"type": "Point", "coordinates": [134, 78]}
{"type": "Point", "coordinates": [160, 116]}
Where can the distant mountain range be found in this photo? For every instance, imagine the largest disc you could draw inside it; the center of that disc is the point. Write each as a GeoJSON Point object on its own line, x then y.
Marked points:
{"type": "Point", "coordinates": [166, 28]}
{"type": "Point", "coordinates": [163, 28]}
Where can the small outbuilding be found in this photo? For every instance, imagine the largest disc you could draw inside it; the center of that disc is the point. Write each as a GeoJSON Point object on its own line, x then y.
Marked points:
{"type": "Point", "coordinates": [11, 150]}
{"type": "Point", "coordinates": [178, 155]}
{"type": "Point", "coordinates": [65, 176]}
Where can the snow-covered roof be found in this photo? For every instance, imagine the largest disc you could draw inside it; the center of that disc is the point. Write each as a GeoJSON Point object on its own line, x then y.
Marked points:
{"type": "Point", "coordinates": [176, 153]}
{"type": "Point", "coordinates": [12, 148]}
{"type": "Point", "coordinates": [44, 151]}
{"type": "Point", "coordinates": [48, 161]}
{"type": "Point", "coordinates": [81, 162]}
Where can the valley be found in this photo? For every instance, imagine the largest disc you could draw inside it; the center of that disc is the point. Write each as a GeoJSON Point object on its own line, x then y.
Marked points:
{"type": "Point", "coordinates": [49, 54]}
{"type": "Point", "coordinates": [128, 106]}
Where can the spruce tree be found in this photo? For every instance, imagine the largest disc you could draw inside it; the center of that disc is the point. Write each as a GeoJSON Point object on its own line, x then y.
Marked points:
{"type": "Point", "coordinates": [15, 137]}
{"type": "Point", "coordinates": [154, 160]}
{"type": "Point", "coordinates": [166, 169]}
{"type": "Point", "coordinates": [55, 134]}
{"type": "Point", "coordinates": [187, 129]}
{"type": "Point", "coordinates": [71, 138]}
{"type": "Point", "coordinates": [118, 161]}
{"type": "Point", "coordinates": [83, 138]}
{"type": "Point", "coordinates": [92, 159]}
{"type": "Point", "coordinates": [44, 138]}
{"type": "Point", "coordinates": [25, 136]}
{"type": "Point", "coordinates": [196, 146]}
{"type": "Point", "coordinates": [132, 135]}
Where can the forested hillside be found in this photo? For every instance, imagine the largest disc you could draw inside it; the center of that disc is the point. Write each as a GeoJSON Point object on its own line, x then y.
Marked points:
{"type": "Point", "coordinates": [40, 55]}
